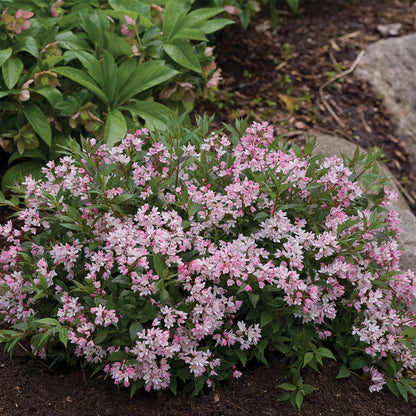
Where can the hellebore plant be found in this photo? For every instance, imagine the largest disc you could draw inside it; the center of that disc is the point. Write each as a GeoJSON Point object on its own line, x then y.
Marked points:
{"type": "Point", "coordinates": [172, 261]}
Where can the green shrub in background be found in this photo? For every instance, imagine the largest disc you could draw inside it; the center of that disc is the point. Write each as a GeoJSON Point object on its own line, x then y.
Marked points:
{"type": "Point", "coordinates": [95, 68]}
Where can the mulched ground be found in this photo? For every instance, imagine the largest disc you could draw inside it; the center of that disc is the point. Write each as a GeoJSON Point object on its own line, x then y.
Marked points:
{"type": "Point", "coordinates": [274, 76]}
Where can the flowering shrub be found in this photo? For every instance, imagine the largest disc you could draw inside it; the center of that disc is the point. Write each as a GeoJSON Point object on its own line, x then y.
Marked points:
{"type": "Point", "coordinates": [96, 68]}
{"type": "Point", "coordinates": [172, 260]}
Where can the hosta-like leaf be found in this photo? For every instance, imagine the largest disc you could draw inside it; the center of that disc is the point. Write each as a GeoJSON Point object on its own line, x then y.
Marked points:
{"type": "Point", "coordinates": [38, 121]}
{"type": "Point", "coordinates": [173, 14]}
{"type": "Point", "coordinates": [181, 52]}
{"type": "Point", "coordinates": [11, 71]}
{"type": "Point", "coordinates": [5, 54]}
{"type": "Point", "coordinates": [83, 79]}
{"type": "Point", "coordinates": [155, 115]}
{"type": "Point", "coordinates": [28, 44]}
{"type": "Point", "coordinates": [53, 95]}
{"type": "Point", "coordinates": [146, 75]}
{"type": "Point", "coordinates": [115, 127]}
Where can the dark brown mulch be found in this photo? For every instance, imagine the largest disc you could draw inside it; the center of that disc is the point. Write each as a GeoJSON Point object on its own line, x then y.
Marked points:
{"type": "Point", "coordinates": [261, 81]}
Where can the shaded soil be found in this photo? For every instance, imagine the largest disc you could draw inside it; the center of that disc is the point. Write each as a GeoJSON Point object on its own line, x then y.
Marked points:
{"type": "Point", "coordinates": [264, 79]}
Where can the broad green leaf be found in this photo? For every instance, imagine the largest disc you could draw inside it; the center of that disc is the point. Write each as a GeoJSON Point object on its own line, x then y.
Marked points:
{"type": "Point", "coordinates": [196, 17]}
{"type": "Point", "coordinates": [18, 172]}
{"type": "Point", "coordinates": [53, 95]}
{"type": "Point", "coordinates": [47, 321]}
{"type": "Point", "coordinates": [174, 12]}
{"type": "Point", "coordinates": [29, 154]}
{"type": "Point", "coordinates": [191, 34]}
{"type": "Point", "coordinates": [69, 40]}
{"type": "Point", "coordinates": [95, 24]}
{"type": "Point", "coordinates": [265, 318]}
{"type": "Point", "coordinates": [11, 71]}
{"type": "Point", "coordinates": [155, 115]}
{"type": "Point", "coordinates": [293, 4]}
{"type": "Point", "coordinates": [128, 5]}
{"type": "Point", "coordinates": [117, 45]}
{"type": "Point", "coordinates": [181, 52]}
{"type": "Point", "coordinates": [115, 127]}
{"type": "Point", "coordinates": [212, 26]}
{"type": "Point", "coordinates": [110, 79]}
{"type": "Point", "coordinates": [83, 79]}
{"type": "Point", "coordinates": [411, 333]}
{"type": "Point", "coordinates": [28, 44]}
{"type": "Point", "coordinates": [63, 336]}
{"type": "Point", "coordinates": [38, 121]}
{"type": "Point", "coordinates": [146, 75]}
{"type": "Point", "coordinates": [307, 358]}
{"type": "Point", "coordinates": [89, 62]}
{"type": "Point", "coordinates": [158, 264]}
{"type": "Point", "coordinates": [5, 54]}
{"type": "Point", "coordinates": [287, 387]}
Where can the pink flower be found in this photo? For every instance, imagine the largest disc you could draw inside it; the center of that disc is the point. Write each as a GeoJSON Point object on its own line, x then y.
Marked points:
{"type": "Point", "coordinates": [129, 28]}
{"type": "Point", "coordinates": [22, 21]}
{"type": "Point", "coordinates": [24, 93]}
{"type": "Point", "coordinates": [18, 22]}
{"type": "Point", "coordinates": [56, 8]}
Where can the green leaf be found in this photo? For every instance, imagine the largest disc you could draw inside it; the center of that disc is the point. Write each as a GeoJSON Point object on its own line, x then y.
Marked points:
{"type": "Point", "coordinates": [27, 44]}
{"type": "Point", "coordinates": [242, 356]}
{"type": "Point", "coordinates": [38, 121]}
{"type": "Point", "coordinates": [128, 5]}
{"type": "Point", "coordinates": [47, 321]}
{"type": "Point", "coordinates": [53, 95]}
{"type": "Point", "coordinates": [173, 14]}
{"type": "Point", "coordinates": [181, 52]}
{"type": "Point", "coordinates": [81, 78]}
{"type": "Point", "coordinates": [299, 399]}
{"type": "Point", "coordinates": [343, 372]}
{"type": "Point", "coordinates": [410, 333]}
{"type": "Point", "coordinates": [158, 264]}
{"type": "Point", "coordinates": [325, 352]}
{"type": "Point", "coordinates": [5, 54]}
{"type": "Point", "coordinates": [69, 40]}
{"type": "Point", "coordinates": [115, 127]}
{"type": "Point", "coordinates": [287, 387]}
{"type": "Point", "coordinates": [29, 154]}
{"type": "Point", "coordinates": [293, 4]}
{"type": "Point", "coordinates": [155, 115]}
{"type": "Point", "coordinates": [63, 336]}
{"type": "Point", "coordinates": [117, 45]}
{"type": "Point", "coordinates": [214, 25]}
{"type": "Point", "coordinates": [11, 71]}
{"type": "Point", "coordinates": [191, 34]}
{"type": "Point", "coordinates": [265, 318]}
{"type": "Point", "coordinates": [145, 76]}
{"type": "Point", "coordinates": [307, 358]}
{"type": "Point", "coordinates": [17, 173]}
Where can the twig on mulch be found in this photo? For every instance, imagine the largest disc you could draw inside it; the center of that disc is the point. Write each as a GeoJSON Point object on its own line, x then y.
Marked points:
{"type": "Point", "coordinates": [333, 79]}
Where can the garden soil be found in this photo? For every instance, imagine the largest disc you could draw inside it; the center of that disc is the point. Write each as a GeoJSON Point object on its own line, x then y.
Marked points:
{"type": "Point", "coordinates": [272, 75]}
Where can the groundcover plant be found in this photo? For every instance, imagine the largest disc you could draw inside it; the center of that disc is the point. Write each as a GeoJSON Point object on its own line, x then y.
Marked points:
{"type": "Point", "coordinates": [170, 261]}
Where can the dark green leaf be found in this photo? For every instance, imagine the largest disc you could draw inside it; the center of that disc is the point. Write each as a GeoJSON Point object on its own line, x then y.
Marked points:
{"type": "Point", "coordinates": [17, 173]}
{"type": "Point", "coordinates": [181, 52]}
{"type": "Point", "coordinates": [5, 54]}
{"type": "Point", "coordinates": [115, 127]}
{"type": "Point", "coordinates": [155, 115]}
{"type": "Point", "coordinates": [38, 121]}
{"type": "Point", "coordinates": [11, 71]}
{"type": "Point", "coordinates": [343, 372]}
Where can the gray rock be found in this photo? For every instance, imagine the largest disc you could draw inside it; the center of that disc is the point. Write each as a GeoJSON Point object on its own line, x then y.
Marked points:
{"type": "Point", "coordinates": [389, 66]}
{"type": "Point", "coordinates": [332, 145]}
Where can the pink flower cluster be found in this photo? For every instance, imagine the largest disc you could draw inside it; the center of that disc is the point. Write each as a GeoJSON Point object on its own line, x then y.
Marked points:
{"type": "Point", "coordinates": [195, 246]}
